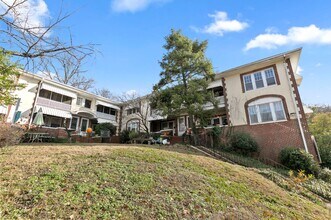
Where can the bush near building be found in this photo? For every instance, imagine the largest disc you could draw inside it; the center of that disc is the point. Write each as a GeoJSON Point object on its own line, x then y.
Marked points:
{"type": "Point", "coordinates": [10, 135]}
{"type": "Point", "coordinates": [243, 143]}
{"type": "Point", "coordinates": [297, 159]}
{"type": "Point", "coordinates": [105, 127]}
{"type": "Point", "coordinates": [320, 127]}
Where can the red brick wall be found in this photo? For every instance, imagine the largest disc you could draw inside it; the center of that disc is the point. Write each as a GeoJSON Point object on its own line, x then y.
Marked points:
{"type": "Point", "coordinates": [273, 137]}
{"type": "Point", "coordinates": [54, 132]}
{"type": "Point", "coordinates": [115, 139]}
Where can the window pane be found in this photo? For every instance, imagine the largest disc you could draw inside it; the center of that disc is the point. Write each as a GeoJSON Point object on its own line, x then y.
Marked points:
{"type": "Point", "coordinates": [218, 91]}
{"type": "Point", "coordinates": [133, 126]}
{"type": "Point", "coordinates": [164, 125]}
{"type": "Point", "coordinates": [74, 123]}
{"type": "Point", "coordinates": [84, 125]}
{"type": "Point", "coordinates": [265, 112]}
{"type": "Point", "coordinates": [99, 108]}
{"type": "Point", "coordinates": [56, 97]}
{"type": "Point", "coordinates": [45, 94]}
{"type": "Point", "coordinates": [79, 101]}
{"type": "Point", "coordinates": [270, 76]}
{"type": "Point", "coordinates": [107, 110]}
{"type": "Point", "coordinates": [258, 80]}
{"type": "Point", "coordinates": [87, 103]}
{"type": "Point", "coordinates": [252, 114]}
{"type": "Point", "coordinates": [279, 111]}
{"type": "Point", "coordinates": [248, 83]}
{"type": "Point", "coordinates": [216, 121]}
{"type": "Point", "coordinates": [224, 120]}
{"type": "Point", "coordinates": [112, 111]}
{"type": "Point", "coordinates": [66, 100]}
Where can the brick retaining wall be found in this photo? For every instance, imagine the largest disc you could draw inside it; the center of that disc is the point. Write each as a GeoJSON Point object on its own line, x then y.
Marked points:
{"type": "Point", "coordinates": [273, 137]}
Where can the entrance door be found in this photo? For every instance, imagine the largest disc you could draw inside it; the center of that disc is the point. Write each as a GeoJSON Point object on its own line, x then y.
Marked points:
{"type": "Point", "coordinates": [181, 126]}
{"type": "Point", "coordinates": [84, 124]}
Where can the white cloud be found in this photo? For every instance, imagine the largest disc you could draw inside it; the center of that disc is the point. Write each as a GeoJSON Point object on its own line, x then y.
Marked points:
{"type": "Point", "coordinates": [131, 92]}
{"type": "Point", "coordinates": [28, 14]}
{"type": "Point", "coordinates": [133, 5]}
{"type": "Point", "coordinates": [296, 35]}
{"type": "Point", "coordinates": [318, 64]}
{"type": "Point", "coordinates": [222, 24]}
{"type": "Point", "coordinates": [299, 70]}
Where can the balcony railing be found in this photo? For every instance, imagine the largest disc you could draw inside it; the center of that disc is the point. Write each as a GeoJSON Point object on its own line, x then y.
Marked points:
{"type": "Point", "coordinates": [53, 104]}
{"type": "Point", "coordinates": [155, 115]}
{"type": "Point", "coordinates": [221, 103]}
{"type": "Point", "coordinates": [106, 116]}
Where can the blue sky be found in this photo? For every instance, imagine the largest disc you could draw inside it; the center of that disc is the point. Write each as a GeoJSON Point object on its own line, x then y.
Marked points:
{"type": "Point", "coordinates": [130, 34]}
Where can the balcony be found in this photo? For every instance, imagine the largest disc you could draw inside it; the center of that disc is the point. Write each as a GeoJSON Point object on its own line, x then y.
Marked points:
{"type": "Point", "coordinates": [221, 103]}
{"type": "Point", "coordinates": [106, 116]}
{"type": "Point", "coordinates": [155, 116]}
{"type": "Point", "coordinates": [53, 104]}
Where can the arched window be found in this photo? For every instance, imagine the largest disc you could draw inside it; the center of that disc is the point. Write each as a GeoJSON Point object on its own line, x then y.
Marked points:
{"type": "Point", "coordinates": [133, 125]}
{"type": "Point", "coordinates": [267, 109]}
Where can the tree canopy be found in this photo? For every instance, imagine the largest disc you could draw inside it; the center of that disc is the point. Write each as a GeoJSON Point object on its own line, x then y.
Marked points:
{"type": "Point", "coordinates": [185, 74]}
{"type": "Point", "coordinates": [9, 74]}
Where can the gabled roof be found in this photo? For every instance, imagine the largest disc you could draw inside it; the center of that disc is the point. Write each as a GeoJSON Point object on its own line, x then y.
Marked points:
{"type": "Point", "coordinates": [267, 61]}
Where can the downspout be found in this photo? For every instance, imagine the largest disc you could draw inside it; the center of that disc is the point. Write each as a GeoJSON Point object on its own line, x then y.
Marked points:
{"type": "Point", "coordinates": [35, 101]}
{"type": "Point", "coordinates": [295, 106]}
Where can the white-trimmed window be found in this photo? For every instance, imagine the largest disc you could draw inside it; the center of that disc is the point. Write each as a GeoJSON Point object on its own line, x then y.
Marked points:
{"type": "Point", "coordinates": [259, 79]}
{"type": "Point", "coordinates": [74, 123]}
{"type": "Point", "coordinates": [218, 121]}
{"type": "Point", "coordinates": [266, 110]}
{"type": "Point", "coordinates": [166, 125]}
{"type": "Point", "coordinates": [133, 125]}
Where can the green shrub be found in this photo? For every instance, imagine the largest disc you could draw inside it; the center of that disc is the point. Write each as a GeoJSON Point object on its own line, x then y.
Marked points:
{"type": "Point", "coordinates": [319, 187]}
{"type": "Point", "coordinates": [133, 135]}
{"type": "Point", "coordinates": [155, 136]}
{"type": "Point", "coordinates": [297, 159]}
{"type": "Point", "coordinates": [105, 127]}
{"type": "Point", "coordinates": [60, 140]}
{"type": "Point", "coordinates": [324, 146]}
{"type": "Point", "coordinates": [242, 143]}
{"type": "Point", "coordinates": [325, 174]}
{"type": "Point", "coordinates": [124, 136]}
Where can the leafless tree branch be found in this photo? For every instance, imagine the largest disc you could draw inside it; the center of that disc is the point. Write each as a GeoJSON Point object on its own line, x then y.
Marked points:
{"type": "Point", "coordinates": [35, 43]}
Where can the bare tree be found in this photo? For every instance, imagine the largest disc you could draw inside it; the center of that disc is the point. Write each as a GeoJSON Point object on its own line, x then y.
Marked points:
{"type": "Point", "coordinates": [28, 33]}
{"type": "Point", "coordinates": [141, 103]}
{"type": "Point", "coordinates": [104, 92]}
{"type": "Point", "coordinates": [67, 69]}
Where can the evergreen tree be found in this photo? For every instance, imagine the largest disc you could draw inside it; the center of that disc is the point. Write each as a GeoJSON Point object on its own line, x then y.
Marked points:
{"type": "Point", "coordinates": [182, 89]}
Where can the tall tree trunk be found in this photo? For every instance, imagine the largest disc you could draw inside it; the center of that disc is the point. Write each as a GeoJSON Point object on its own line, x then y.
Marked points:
{"type": "Point", "coordinates": [193, 130]}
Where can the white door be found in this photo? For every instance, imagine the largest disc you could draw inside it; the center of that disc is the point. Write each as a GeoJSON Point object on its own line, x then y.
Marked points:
{"type": "Point", "coordinates": [181, 126]}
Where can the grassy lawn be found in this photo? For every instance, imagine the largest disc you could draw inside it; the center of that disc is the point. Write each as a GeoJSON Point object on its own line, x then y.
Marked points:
{"type": "Point", "coordinates": [127, 182]}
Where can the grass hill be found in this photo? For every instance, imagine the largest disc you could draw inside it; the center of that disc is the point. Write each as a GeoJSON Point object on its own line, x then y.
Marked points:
{"type": "Point", "coordinates": [126, 182]}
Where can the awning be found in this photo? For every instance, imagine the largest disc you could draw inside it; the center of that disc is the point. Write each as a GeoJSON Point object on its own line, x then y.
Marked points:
{"type": "Point", "coordinates": [216, 83]}
{"type": "Point", "coordinates": [3, 109]}
{"type": "Point", "coordinates": [53, 112]}
{"type": "Point", "coordinates": [58, 90]}
{"type": "Point", "coordinates": [101, 120]}
{"type": "Point", "coordinates": [107, 105]}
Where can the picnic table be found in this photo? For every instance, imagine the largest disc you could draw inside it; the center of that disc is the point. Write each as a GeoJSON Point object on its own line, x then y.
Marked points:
{"type": "Point", "coordinates": [38, 137]}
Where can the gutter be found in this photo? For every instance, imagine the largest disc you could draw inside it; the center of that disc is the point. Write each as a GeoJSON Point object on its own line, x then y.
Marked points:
{"type": "Point", "coordinates": [295, 105]}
